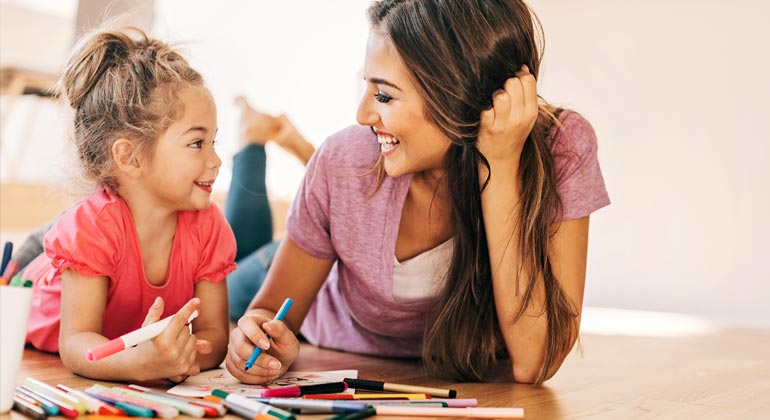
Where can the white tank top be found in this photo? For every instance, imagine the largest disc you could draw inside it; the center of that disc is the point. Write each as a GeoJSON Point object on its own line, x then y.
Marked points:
{"type": "Point", "coordinates": [423, 276]}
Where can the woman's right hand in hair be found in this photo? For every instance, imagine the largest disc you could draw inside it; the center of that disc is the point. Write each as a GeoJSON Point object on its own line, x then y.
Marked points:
{"type": "Point", "coordinates": [279, 350]}
{"type": "Point", "coordinates": [173, 353]}
{"type": "Point", "coordinates": [505, 127]}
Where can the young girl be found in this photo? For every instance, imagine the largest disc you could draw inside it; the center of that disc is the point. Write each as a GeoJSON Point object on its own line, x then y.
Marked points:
{"type": "Point", "coordinates": [148, 243]}
{"type": "Point", "coordinates": [468, 240]}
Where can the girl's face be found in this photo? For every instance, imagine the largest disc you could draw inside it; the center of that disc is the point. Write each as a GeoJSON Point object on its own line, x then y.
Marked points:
{"type": "Point", "coordinates": [184, 164]}
{"type": "Point", "coordinates": [391, 105]}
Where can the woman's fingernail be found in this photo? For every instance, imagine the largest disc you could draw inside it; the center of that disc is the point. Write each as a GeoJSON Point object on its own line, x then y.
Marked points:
{"type": "Point", "coordinates": [263, 344]}
{"type": "Point", "coordinates": [274, 364]}
{"type": "Point", "coordinates": [156, 302]}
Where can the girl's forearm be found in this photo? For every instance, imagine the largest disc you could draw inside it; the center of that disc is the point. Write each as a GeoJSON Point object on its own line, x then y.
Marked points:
{"type": "Point", "coordinates": [127, 365]}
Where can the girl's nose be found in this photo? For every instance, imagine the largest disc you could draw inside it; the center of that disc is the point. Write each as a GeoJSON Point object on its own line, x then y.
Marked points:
{"type": "Point", "coordinates": [214, 160]}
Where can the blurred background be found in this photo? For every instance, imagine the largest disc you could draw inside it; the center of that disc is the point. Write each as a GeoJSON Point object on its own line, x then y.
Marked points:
{"type": "Point", "coordinates": [676, 90]}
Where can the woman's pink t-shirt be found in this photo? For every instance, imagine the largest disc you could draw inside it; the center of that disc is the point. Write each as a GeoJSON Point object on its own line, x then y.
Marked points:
{"type": "Point", "coordinates": [334, 217]}
{"type": "Point", "coordinates": [97, 237]}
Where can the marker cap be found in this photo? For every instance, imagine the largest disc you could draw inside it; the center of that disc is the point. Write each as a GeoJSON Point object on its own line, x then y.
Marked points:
{"type": "Point", "coordinates": [106, 349]}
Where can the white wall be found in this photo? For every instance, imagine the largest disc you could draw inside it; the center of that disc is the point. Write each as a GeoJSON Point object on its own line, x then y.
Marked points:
{"type": "Point", "coordinates": [677, 92]}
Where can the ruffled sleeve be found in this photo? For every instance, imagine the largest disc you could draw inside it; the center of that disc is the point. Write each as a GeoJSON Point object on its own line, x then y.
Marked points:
{"type": "Point", "coordinates": [88, 238]}
{"type": "Point", "coordinates": [579, 179]}
{"type": "Point", "coordinates": [217, 256]}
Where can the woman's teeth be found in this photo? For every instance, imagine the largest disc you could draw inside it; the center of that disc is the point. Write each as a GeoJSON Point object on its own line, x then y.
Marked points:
{"type": "Point", "coordinates": [204, 184]}
{"type": "Point", "coordinates": [387, 142]}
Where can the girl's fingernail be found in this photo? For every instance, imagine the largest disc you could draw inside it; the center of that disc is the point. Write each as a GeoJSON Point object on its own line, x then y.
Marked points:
{"type": "Point", "coordinates": [156, 302]}
{"type": "Point", "coordinates": [274, 364]}
{"type": "Point", "coordinates": [263, 344]}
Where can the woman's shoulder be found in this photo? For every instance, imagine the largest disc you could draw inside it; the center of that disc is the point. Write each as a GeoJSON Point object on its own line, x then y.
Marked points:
{"type": "Point", "coordinates": [352, 147]}
{"type": "Point", "coordinates": [572, 134]}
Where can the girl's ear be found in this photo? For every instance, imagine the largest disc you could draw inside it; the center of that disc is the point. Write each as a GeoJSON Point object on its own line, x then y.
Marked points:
{"type": "Point", "coordinates": [124, 153]}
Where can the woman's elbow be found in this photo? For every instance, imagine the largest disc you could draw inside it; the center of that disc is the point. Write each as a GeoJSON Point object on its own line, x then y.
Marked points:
{"type": "Point", "coordinates": [525, 374]}
{"type": "Point", "coordinates": [530, 373]}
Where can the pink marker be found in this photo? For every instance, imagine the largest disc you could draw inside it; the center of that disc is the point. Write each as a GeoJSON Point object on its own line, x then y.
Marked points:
{"type": "Point", "coordinates": [133, 338]}
{"type": "Point", "coordinates": [298, 390]}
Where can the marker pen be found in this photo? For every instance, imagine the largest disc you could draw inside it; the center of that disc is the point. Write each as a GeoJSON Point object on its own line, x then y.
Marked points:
{"type": "Point", "coordinates": [278, 317]}
{"type": "Point", "coordinates": [298, 390]}
{"type": "Point", "coordinates": [133, 338]}
{"type": "Point", "coordinates": [314, 406]}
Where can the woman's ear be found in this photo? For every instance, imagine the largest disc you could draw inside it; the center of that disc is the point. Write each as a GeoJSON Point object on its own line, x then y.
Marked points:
{"type": "Point", "coordinates": [124, 153]}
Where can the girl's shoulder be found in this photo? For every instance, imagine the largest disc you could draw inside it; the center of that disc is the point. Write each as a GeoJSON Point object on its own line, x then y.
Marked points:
{"type": "Point", "coordinates": [101, 209]}
{"type": "Point", "coordinates": [205, 221]}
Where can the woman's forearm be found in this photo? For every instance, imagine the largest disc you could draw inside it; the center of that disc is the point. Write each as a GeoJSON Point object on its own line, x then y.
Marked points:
{"type": "Point", "coordinates": [525, 337]}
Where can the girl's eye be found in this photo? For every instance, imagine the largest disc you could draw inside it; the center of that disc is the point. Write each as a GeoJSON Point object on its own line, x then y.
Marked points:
{"type": "Point", "coordinates": [382, 98]}
{"type": "Point", "coordinates": [197, 144]}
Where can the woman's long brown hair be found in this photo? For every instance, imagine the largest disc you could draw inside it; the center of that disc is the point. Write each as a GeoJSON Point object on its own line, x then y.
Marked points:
{"type": "Point", "coordinates": [459, 52]}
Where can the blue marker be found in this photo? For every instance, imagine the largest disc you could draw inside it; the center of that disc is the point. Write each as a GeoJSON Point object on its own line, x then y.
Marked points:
{"type": "Point", "coordinates": [7, 251]}
{"type": "Point", "coordinates": [278, 317]}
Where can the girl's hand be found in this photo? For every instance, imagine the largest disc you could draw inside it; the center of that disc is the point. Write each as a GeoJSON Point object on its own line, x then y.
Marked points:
{"type": "Point", "coordinates": [505, 127]}
{"type": "Point", "coordinates": [278, 353]}
{"type": "Point", "coordinates": [172, 354]}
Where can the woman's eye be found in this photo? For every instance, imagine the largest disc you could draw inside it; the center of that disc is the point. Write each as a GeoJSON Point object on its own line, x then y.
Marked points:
{"type": "Point", "coordinates": [382, 98]}
{"type": "Point", "coordinates": [197, 144]}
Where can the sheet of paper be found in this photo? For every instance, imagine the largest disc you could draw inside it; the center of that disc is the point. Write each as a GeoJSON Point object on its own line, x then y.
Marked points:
{"type": "Point", "coordinates": [202, 384]}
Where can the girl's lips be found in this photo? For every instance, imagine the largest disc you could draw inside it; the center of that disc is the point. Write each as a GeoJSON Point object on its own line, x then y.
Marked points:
{"type": "Point", "coordinates": [205, 186]}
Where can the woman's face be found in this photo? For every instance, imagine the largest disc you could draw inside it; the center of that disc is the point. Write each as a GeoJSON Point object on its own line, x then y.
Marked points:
{"type": "Point", "coordinates": [409, 142]}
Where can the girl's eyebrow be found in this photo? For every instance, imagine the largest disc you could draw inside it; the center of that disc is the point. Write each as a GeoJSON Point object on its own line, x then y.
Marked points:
{"type": "Point", "coordinates": [203, 129]}
{"type": "Point", "coordinates": [378, 81]}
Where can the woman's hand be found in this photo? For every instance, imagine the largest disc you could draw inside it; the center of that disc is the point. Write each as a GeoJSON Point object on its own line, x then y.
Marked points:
{"type": "Point", "coordinates": [505, 127]}
{"type": "Point", "coordinates": [278, 352]}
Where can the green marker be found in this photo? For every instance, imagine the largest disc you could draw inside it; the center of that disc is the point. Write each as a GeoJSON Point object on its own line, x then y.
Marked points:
{"type": "Point", "coordinates": [16, 281]}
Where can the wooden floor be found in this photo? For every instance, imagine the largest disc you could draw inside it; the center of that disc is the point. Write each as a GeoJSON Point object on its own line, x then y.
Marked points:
{"type": "Point", "coordinates": [718, 375]}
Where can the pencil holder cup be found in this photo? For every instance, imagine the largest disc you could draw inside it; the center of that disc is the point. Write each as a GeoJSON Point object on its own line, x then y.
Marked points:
{"type": "Point", "coordinates": [14, 311]}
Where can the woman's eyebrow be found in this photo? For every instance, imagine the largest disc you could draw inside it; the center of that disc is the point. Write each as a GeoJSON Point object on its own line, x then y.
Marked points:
{"type": "Point", "coordinates": [378, 81]}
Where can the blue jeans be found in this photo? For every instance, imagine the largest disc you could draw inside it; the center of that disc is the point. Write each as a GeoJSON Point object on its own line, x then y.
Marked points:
{"type": "Point", "coordinates": [248, 212]}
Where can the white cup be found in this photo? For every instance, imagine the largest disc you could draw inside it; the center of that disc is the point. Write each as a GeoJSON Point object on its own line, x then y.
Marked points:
{"type": "Point", "coordinates": [14, 311]}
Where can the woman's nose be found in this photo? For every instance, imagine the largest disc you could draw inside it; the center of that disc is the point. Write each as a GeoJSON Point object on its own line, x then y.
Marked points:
{"type": "Point", "coordinates": [366, 114]}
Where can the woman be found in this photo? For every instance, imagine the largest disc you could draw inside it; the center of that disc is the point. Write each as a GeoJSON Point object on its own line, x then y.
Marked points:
{"type": "Point", "coordinates": [468, 238]}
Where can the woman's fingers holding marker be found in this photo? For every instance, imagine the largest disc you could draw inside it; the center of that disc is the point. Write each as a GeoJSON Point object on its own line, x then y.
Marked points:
{"type": "Point", "coordinates": [256, 375]}
{"type": "Point", "coordinates": [250, 325]}
{"type": "Point", "coordinates": [285, 345]}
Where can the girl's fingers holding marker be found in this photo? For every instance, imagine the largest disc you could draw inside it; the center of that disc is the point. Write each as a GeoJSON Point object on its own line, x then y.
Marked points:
{"type": "Point", "coordinates": [179, 321]}
{"type": "Point", "coordinates": [155, 312]}
{"type": "Point", "coordinates": [203, 346]}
